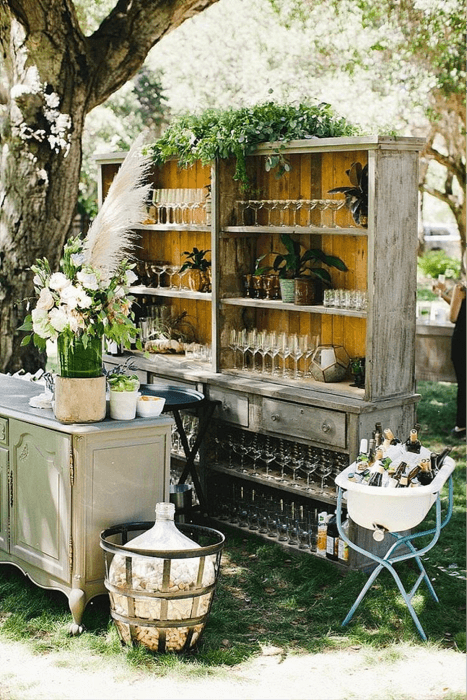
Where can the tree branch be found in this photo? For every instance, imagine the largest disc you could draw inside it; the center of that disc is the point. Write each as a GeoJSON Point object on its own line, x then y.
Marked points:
{"type": "Point", "coordinates": [448, 163]}
{"type": "Point", "coordinates": [118, 48]}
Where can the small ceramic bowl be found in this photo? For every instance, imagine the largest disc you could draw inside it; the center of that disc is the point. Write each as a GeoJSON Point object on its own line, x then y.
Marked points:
{"type": "Point", "coordinates": [149, 406]}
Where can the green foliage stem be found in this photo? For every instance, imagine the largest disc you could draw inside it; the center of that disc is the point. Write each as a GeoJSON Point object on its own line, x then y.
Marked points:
{"type": "Point", "coordinates": [236, 132]}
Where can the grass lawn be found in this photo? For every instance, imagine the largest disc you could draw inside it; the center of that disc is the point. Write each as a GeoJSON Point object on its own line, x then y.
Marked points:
{"type": "Point", "coordinates": [266, 595]}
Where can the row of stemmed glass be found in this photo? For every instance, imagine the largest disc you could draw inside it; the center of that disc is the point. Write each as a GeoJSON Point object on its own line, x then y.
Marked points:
{"type": "Point", "coordinates": [281, 456]}
{"type": "Point", "coordinates": [151, 271]}
{"type": "Point", "coordinates": [260, 348]}
{"type": "Point", "coordinates": [287, 212]}
{"type": "Point", "coordinates": [178, 206]}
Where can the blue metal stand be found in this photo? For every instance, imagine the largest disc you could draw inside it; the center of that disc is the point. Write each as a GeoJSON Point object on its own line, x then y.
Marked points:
{"type": "Point", "coordinates": [390, 559]}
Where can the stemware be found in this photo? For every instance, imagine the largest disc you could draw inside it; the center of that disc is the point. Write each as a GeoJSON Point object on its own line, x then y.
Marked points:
{"type": "Point", "coordinates": [282, 459]}
{"type": "Point", "coordinates": [274, 349]}
{"type": "Point", "coordinates": [264, 346]}
{"type": "Point", "coordinates": [298, 345]}
{"type": "Point", "coordinates": [284, 352]}
{"type": "Point", "coordinates": [233, 345]}
{"type": "Point", "coordinates": [267, 456]}
{"type": "Point", "coordinates": [255, 449]}
{"type": "Point", "coordinates": [309, 466]}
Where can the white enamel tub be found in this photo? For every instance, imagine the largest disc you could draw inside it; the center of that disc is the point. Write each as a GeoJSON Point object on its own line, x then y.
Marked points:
{"type": "Point", "coordinates": [395, 510]}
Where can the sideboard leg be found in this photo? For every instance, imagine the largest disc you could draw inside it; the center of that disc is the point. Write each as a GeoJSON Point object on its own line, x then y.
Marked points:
{"type": "Point", "coordinates": [77, 603]}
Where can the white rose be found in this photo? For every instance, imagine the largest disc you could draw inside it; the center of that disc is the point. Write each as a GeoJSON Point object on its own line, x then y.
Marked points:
{"type": "Point", "coordinates": [40, 323]}
{"type": "Point", "coordinates": [46, 300]}
{"type": "Point", "coordinates": [59, 319]}
{"type": "Point", "coordinates": [69, 296]}
{"type": "Point", "coordinates": [84, 301]}
{"type": "Point", "coordinates": [88, 280]}
{"type": "Point", "coordinates": [59, 281]}
{"type": "Point", "coordinates": [37, 281]}
{"type": "Point", "coordinates": [130, 277]}
{"type": "Point", "coordinates": [78, 259]}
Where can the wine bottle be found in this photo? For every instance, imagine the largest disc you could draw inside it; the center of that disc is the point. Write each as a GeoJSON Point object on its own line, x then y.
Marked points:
{"type": "Point", "coordinates": [343, 547]}
{"type": "Point", "coordinates": [412, 443]}
{"type": "Point", "coordinates": [425, 475]}
{"type": "Point", "coordinates": [371, 450]}
{"type": "Point", "coordinates": [363, 451]}
{"type": "Point", "coordinates": [332, 539]}
{"type": "Point", "coordinates": [376, 478]}
{"type": "Point", "coordinates": [378, 434]}
{"type": "Point", "coordinates": [441, 457]}
{"type": "Point", "coordinates": [402, 483]}
{"type": "Point", "coordinates": [412, 476]}
{"type": "Point", "coordinates": [398, 472]}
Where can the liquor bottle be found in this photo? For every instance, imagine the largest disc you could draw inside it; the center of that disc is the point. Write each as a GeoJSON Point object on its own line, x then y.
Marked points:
{"type": "Point", "coordinates": [413, 443]}
{"type": "Point", "coordinates": [402, 483]}
{"type": "Point", "coordinates": [371, 450]}
{"type": "Point", "coordinates": [343, 547]}
{"type": "Point", "coordinates": [425, 475]}
{"type": "Point", "coordinates": [332, 538]}
{"type": "Point", "coordinates": [322, 533]}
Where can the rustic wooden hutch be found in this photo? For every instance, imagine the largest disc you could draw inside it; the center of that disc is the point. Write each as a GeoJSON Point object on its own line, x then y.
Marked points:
{"type": "Point", "coordinates": [381, 261]}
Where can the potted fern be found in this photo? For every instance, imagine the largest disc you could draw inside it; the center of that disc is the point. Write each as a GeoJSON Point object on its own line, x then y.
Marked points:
{"type": "Point", "coordinates": [299, 264]}
{"type": "Point", "coordinates": [199, 278]}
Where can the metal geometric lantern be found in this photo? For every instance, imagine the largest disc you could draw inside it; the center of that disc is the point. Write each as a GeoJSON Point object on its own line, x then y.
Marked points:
{"type": "Point", "coordinates": [329, 363]}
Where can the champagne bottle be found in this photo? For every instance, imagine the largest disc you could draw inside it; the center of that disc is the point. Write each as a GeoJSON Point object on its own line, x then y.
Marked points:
{"type": "Point", "coordinates": [441, 457]}
{"type": "Point", "coordinates": [376, 478]}
{"type": "Point", "coordinates": [425, 475]}
{"type": "Point", "coordinates": [402, 483]}
{"type": "Point", "coordinates": [412, 476]}
{"type": "Point", "coordinates": [343, 547]}
{"type": "Point", "coordinates": [413, 443]}
{"type": "Point", "coordinates": [398, 472]}
{"type": "Point", "coordinates": [371, 450]}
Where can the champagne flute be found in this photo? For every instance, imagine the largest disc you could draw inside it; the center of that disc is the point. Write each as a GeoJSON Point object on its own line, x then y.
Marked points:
{"type": "Point", "coordinates": [233, 345]}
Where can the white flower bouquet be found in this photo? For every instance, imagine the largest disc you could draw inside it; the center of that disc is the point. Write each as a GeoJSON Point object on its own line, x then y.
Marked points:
{"type": "Point", "coordinates": [81, 300]}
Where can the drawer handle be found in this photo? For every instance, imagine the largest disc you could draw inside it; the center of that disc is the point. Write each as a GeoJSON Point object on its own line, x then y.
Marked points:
{"type": "Point", "coordinates": [226, 407]}
{"type": "Point", "coordinates": [275, 417]}
{"type": "Point", "coordinates": [326, 427]}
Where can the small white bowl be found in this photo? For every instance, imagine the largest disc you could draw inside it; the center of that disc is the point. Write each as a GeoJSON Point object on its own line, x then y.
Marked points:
{"type": "Point", "coordinates": [149, 406]}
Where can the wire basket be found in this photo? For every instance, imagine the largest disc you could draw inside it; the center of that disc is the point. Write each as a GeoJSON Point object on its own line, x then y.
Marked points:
{"type": "Point", "coordinates": [161, 599]}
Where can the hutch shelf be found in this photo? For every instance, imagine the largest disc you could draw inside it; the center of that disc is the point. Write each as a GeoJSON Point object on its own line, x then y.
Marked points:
{"type": "Point", "coordinates": [239, 228]}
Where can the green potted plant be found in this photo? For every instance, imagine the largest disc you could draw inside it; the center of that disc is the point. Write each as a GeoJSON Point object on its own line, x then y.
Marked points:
{"type": "Point", "coordinates": [123, 394]}
{"type": "Point", "coordinates": [300, 263]}
{"type": "Point", "coordinates": [199, 279]}
{"type": "Point", "coordinates": [356, 196]}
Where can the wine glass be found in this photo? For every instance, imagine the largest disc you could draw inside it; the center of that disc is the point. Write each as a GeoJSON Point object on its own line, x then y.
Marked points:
{"type": "Point", "coordinates": [267, 456]}
{"type": "Point", "coordinates": [233, 345]}
{"type": "Point", "coordinates": [264, 345]}
{"type": "Point", "coordinates": [282, 459]}
{"type": "Point", "coordinates": [255, 449]}
{"type": "Point", "coordinates": [284, 351]}
{"type": "Point", "coordinates": [309, 466]}
{"type": "Point", "coordinates": [297, 350]}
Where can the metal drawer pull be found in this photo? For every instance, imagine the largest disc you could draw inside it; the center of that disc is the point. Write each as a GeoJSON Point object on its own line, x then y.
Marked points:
{"type": "Point", "coordinates": [326, 427]}
{"type": "Point", "coordinates": [275, 416]}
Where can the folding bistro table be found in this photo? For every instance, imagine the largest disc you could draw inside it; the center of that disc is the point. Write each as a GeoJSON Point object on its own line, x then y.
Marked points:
{"type": "Point", "coordinates": [177, 399]}
{"type": "Point", "coordinates": [397, 510]}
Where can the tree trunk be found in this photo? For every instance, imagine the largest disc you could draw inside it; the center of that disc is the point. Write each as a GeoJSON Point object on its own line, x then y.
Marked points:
{"type": "Point", "coordinates": [54, 76]}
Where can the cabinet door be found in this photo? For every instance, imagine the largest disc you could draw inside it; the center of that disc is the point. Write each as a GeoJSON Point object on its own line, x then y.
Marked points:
{"type": "Point", "coordinates": [126, 473]}
{"type": "Point", "coordinates": [40, 513]}
{"type": "Point", "coordinates": [4, 499]}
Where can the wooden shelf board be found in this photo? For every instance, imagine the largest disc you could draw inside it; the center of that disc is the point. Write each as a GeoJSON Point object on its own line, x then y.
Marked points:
{"type": "Point", "coordinates": [253, 230]}
{"type": "Point", "coordinates": [173, 227]}
{"type": "Point", "coordinates": [175, 293]}
{"type": "Point", "coordinates": [283, 306]}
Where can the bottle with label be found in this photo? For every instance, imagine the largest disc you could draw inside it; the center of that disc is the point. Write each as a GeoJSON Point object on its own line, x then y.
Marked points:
{"type": "Point", "coordinates": [343, 547]}
{"type": "Point", "coordinates": [398, 472]}
{"type": "Point", "coordinates": [412, 476]}
{"type": "Point", "coordinates": [363, 451]}
{"type": "Point", "coordinates": [425, 475]}
{"type": "Point", "coordinates": [413, 443]}
{"type": "Point", "coordinates": [376, 478]}
{"type": "Point", "coordinates": [403, 482]}
{"type": "Point", "coordinates": [332, 538]}
{"type": "Point", "coordinates": [322, 533]}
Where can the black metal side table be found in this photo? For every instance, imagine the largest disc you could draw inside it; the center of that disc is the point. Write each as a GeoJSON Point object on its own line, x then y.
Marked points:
{"type": "Point", "coordinates": [179, 398]}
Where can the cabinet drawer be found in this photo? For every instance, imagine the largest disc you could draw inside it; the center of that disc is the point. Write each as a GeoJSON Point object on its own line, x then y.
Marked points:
{"type": "Point", "coordinates": [307, 422]}
{"type": "Point", "coordinates": [234, 407]}
{"type": "Point", "coordinates": [3, 431]}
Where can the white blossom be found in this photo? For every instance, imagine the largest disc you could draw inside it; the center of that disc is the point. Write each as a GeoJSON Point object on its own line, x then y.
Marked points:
{"type": "Point", "coordinates": [59, 281]}
{"type": "Point", "coordinates": [45, 300]}
{"type": "Point", "coordinates": [130, 277]}
{"type": "Point", "coordinates": [59, 319]}
{"type": "Point", "coordinates": [87, 279]}
{"type": "Point", "coordinates": [84, 301]}
{"type": "Point", "coordinates": [41, 323]}
{"type": "Point", "coordinates": [69, 296]}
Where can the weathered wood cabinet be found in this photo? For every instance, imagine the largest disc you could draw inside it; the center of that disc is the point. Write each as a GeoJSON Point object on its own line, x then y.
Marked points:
{"type": "Point", "coordinates": [381, 261]}
{"type": "Point", "coordinates": [61, 485]}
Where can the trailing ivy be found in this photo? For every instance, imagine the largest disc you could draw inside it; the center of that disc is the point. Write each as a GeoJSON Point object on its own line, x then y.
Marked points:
{"type": "Point", "coordinates": [236, 133]}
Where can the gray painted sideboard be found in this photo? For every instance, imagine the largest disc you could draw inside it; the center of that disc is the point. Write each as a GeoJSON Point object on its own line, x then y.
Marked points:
{"type": "Point", "coordinates": [61, 485]}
